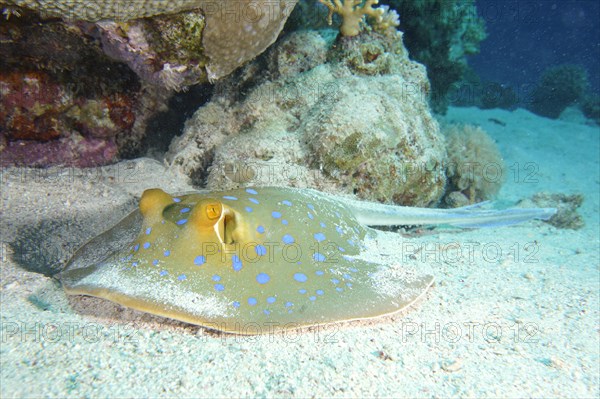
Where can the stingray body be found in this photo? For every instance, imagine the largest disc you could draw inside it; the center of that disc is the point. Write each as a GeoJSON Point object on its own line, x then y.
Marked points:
{"type": "Point", "coordinates": [258, 260]}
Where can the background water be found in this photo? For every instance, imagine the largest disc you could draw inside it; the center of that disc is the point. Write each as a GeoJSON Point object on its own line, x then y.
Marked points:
{"type": "Point", "coordinates": [526, 37]}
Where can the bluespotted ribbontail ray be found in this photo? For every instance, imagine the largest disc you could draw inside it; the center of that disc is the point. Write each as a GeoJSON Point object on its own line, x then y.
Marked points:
{"type": "Point", "coordinates": [260, 259]}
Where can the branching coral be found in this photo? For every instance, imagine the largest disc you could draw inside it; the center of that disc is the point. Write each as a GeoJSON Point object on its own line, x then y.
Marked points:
{"type": "Point", "coordinates": [352, 13]}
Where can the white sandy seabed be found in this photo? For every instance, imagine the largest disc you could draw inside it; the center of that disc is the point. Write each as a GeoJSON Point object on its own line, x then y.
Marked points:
{"type": "Point", "coordinates": [514, 311]}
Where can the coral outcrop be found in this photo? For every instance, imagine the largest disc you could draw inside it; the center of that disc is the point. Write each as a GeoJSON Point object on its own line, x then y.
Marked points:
{"type": "Point", "coordinates": [223, 35]}
{"type": "Point", "coordinates": [475, 167]}
{"type": "Point", "coordinates": [104, 9]}
{"type": "Point", "coordinates": [356, 123]}
{"type": "Point", "coordinates": [60, 91]}
{"type": "Point", "coordinates": [85, 66]}
{"type": "Point", "coordinates": [558, 88]}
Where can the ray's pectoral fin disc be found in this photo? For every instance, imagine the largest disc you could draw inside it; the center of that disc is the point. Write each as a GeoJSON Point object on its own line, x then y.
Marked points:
{"type": "Point", "coordinates": [244, 261]}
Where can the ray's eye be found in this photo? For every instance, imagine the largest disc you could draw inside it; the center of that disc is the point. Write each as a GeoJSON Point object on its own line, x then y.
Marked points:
{"type": "Point", "coordinates": [213, 211]}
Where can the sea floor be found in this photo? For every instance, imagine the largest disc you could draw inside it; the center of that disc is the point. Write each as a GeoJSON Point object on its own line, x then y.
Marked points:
{"type": "Point", "coordinates": [514, 311]}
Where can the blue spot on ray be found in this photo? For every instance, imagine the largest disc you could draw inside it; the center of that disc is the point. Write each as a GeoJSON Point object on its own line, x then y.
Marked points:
{"type": "Point", "coordinates": [319, 272]}
{"type": "Point", "coordinates": [251, 191]}
{"type": "Point", "coordinates": [236, 304]}
{"type": "Point", "coordinates": [260, 229]}
{"type": "Point", "coordinates": [182, 221]}
{"type": "Point", "coordinates": [164, 273]}
{"type": "Point", "coordinates": [286, 202]}
{"type": "Point", "coordinates": [319, 237]}
{"type": "Point", "coordinates": [146, 245]}
{"type": "Point", "coordinates": [310, 216]}
{"type": "Point", "coordinates": [216, 277]}
{"type": "Point", "coordinates": [276, 214]}
{"type": "Point", "coordinates": [319, 257]}
{"type": "Point", "coordinates": [260, 250]}
{"type": "Point", "coordinates": [248, 209]}
{"type": "Point", "coordinates": [229, 197]}
{"type": "Point", "coordinates": [219, 287]}
{"type": "Point", "coordinates": [284, 222]}
{"type": "Point", "coordinates": [155, 262]}
{"type": "Point", "coordinates": [167, 253]}
{"type": "Point", "coordinates": [262, 278]}
{"type": "Point", "coordinates": [236, 263]}
{"type": "Point", "coordinates": [181, 277]}
{"type": "Point", "coordinates": [175, 199]}
{"type": "Point", "coordinates": [136, 247]}
{"type": "Point", "coordinates": [288, 304]}
{"type": "Point", "coordinates": [288, 239]}
{"type": "Point", "coordinates": [319, 292]}
{"type": "Point", "coordinates": [271, 299]}
{"type": "Point", "coordinates": [311, 207]}
{"type": "Point", "coordinates": [253, 200]}
{"type": "Point", "coordinates": [312, 298]}
{"type": "Point", "coordinates": [300, 277]}
{"type": "Point", "coordinates": [199, 260]}
{"type": "Point", "coordinates": [184, 210]}
{"type": "Point", "coordinates": [302, 291]}
{"type": "Point", "coordinates": [148, 230]}
{"type": "Point", "coordinates": [252, 301]}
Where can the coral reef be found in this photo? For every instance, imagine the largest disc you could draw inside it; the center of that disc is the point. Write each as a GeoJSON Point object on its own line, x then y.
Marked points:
{"type": "Point", "coordinates": [239, 30]}
{"type": "Point", "coordinates": [558, 88]}
{"type": "Point", "coordinates": [356, 123]}
{"type": "Point", "coordinates": [440, 34]}
{"type": "Point", "coordinates": [58, 89]}
{"type": "Point", "coordinates": [73, 150]}
{"type": "Point", "coordinates": [165, 52]}
{"type": "Point", "coordinates": [475, 167]}
{"type": "Point", "coordinates": [95, 96]}
{"type": "Point", "coordinates": [215, 36]}
{"type": "Point", "coordinates": [104, 9]}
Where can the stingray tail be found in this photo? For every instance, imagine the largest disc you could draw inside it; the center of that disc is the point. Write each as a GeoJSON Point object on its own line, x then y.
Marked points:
{"type": "Point", "coordinates": [467, 217]}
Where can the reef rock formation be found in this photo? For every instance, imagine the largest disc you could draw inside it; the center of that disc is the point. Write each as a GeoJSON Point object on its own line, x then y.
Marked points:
{"type": "Point", "coordinates": [356, 123]}
{"type": "Point", "coordinates": [228, 33]}
{"type": "Point", "coordinates": [76, 68]}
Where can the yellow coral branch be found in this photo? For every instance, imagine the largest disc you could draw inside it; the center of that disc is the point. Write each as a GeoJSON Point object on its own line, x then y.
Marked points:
{"type": "Point", "coordinates": [352, 13]}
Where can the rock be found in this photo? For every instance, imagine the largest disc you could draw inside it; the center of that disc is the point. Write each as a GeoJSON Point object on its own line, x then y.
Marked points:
{"type": "Point", "coordinates": [355, 120]}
